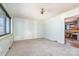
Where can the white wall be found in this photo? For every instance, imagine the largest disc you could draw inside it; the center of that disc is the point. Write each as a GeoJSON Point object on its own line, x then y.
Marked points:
{"type": "Point", "coordinates": [27, 29]}
{"type": "Point", "coordinates": [5, 43]}
{"type": "Point", "coordinates": [18, 29]}
{"type": "Point", "coordinates": [30, 29]}
{"type": "Point", "coordinates": [54, 27]}
{"type": "Point", "coordinates": [40, 29]}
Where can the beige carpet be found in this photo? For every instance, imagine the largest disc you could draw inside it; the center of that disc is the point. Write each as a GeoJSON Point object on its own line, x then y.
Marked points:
{"type": "Point", "coordinates": [41, 47]}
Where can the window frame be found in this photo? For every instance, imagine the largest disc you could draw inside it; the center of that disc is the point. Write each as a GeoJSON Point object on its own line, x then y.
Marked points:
{"type": "Point", "coordinates": [6, 15]}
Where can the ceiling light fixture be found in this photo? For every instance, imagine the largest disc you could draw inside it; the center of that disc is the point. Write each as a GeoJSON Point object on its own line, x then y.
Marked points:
{"type": "Point", "coordinates": [42, 11]}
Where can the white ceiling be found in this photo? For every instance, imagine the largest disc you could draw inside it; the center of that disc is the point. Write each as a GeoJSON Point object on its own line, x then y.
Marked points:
{"type": "Point", "coordinates": [32, 10]}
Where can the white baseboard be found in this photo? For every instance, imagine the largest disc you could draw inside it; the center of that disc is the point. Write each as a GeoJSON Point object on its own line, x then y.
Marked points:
{"type": "Point", "coordinates": [50, 39]}
{"type": "Point", "coordinates": [39, 38]}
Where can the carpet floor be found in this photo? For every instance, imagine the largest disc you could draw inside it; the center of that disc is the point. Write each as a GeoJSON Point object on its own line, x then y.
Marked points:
{"type": "Point", "coordinates": [41, 47]}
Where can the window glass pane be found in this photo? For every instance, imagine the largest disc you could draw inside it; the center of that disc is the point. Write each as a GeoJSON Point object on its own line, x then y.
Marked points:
{"type": "Point", "coordinates": [4, 22]}
{"type": "Point", "coordinates": [2, 25]}
{"type": "Point", "coordinates": [7, 25]}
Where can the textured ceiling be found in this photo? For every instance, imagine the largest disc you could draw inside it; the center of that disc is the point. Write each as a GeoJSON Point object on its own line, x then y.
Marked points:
{"type": "Point", "coordinates": [32, 10]}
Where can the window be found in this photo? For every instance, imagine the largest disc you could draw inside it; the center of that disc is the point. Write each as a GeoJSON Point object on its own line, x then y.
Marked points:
{"type": "Point", "coordinates": [2, 26]}
{"type": "Point", "coordinates": [5, 22]}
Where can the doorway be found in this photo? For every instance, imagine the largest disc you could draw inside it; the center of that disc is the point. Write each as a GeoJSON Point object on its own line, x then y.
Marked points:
{"type": "Point", "coordinates": [72, 31]}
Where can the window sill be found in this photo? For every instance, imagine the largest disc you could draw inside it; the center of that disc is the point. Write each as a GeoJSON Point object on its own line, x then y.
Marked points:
{"type": "Point", "coordinates": [5, 36]}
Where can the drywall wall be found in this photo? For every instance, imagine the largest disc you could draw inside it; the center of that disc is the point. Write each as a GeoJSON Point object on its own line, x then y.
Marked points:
{"type": "Point", "coordinates": [40, 29]}
{"type": "Point", "coordinates": [30, 29]}
{"type": "Point", "coordinates": [18, 29]}
{"type": "Point", "coordinates": [27, 29]}
{"type": "Point", "coordinates": [54, 27]}
{"type": "Point", "coordinates": [5, 43]}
